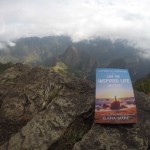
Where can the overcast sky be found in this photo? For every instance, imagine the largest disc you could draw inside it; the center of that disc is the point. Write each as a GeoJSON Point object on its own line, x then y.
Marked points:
{"type": "Point", "coordinates": [80, 19]}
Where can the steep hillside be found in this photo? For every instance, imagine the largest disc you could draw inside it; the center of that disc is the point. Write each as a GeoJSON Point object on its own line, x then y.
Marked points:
{"type": "Point", "coordinates": [42, 109]}
{"type": "Point", "coordinates": [35, 50]}
{"type": "Point", "coordinates": [117, 55]}
{"type": "Point", "coordinates": [80, 62]}
{"type": "Point", "coordinates": [83, 57]}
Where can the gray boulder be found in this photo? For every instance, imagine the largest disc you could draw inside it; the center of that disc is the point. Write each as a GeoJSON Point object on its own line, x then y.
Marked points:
{"type": "Point", "coordinates": [46, 110]}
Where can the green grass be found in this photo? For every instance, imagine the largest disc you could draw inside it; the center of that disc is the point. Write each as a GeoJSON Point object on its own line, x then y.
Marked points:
{"type": "Point", "coordinates": [60, 68]}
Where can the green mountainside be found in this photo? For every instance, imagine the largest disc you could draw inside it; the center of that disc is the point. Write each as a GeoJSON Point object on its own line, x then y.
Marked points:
{"type": "Point", "coordinates": [35, 50]}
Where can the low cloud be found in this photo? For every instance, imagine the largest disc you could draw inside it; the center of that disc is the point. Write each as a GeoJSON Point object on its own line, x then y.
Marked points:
{"type": "Point", "coordinates": [80, 19]}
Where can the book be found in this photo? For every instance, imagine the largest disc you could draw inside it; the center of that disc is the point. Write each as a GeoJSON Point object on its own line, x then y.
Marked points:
{"type": "Point", "coordinates": [115, 102]}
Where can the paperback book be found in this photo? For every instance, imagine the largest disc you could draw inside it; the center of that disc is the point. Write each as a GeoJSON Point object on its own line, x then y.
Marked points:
{"type": "Point", "coordinates": [115, 102]}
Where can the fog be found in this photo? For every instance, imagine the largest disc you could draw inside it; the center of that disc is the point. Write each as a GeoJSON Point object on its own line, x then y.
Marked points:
{"type": "Point", "coordinates": [79, 19]}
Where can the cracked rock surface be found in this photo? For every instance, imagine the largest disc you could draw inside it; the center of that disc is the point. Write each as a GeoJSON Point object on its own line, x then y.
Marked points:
{"type": "Point", "coordinates": [41, 109]}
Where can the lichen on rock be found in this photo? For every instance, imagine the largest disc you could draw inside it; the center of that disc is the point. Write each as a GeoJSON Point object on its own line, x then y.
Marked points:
{"type": "Point", "coordinates": [54, 107]}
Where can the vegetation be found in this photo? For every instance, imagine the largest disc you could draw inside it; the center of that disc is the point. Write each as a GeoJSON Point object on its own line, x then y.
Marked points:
{"type": "Point", "coordinates": [59, 66]}
{"type": "Point", "coordinates": [143, 85]}
{"type": "Point", "coordinates": [35, 50]}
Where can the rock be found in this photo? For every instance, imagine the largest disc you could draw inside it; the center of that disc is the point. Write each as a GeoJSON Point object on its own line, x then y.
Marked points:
{"type": "Point", "coordinates": [25, 91]}
{"type": "Point", "coordinates": [106, 106]}
{"type": "Point", "coordinates": [117, 137]}
{"type": "Point", "coordinates": [65, 99]}
{"type": "Point", "coordinates": [124, 137]}
{"type": "Point", "coordinates": [123, 106]}
{"type": "Point", "coordinates": [58, 114]}
{"type": "Point", "coordinates": [115, 105]}
{"type": "Point", "coordinates": [12, 107]}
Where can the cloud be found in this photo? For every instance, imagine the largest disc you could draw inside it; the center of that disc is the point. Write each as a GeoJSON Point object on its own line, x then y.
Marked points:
{"type": "Point", "coordinates": [80, 19]}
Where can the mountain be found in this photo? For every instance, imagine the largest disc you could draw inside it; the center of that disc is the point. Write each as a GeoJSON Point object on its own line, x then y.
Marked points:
{"type": "Point", "coordinates": [35, 50]}
{"type": "Point", "coordinates": [116, 55]}
{"type": "Point", "coordinates": [45, 110]}
{"type": "Point", "coordinates": [83, 62]}
{"type": "Point", "coordinates": [85, 56]}
{"type": "Point", "coordinates": [81, 58]}
{"type": "Point", "coordinates": [79, 61]}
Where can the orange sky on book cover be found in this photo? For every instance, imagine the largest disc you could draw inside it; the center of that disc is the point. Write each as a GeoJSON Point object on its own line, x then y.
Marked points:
{"type": "Point", "coordinates": [111, 93]}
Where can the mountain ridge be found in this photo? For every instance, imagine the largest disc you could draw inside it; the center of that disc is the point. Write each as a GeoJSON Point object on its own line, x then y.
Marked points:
{"type": "Point", "coordinates": [82, 57]}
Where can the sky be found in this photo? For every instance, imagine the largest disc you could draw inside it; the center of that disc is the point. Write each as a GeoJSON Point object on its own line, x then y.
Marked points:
{"type": "Point", "coordinates": [79, 19]}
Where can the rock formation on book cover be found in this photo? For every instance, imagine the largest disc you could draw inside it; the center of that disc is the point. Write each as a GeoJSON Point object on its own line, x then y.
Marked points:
{"type": "Point", "coordinates": [115, 101]}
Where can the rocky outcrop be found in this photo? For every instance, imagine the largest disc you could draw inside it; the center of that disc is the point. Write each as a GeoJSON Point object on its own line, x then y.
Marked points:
{"type": "Point", "coordinates": [56, 113]}
{"type": "Point", "coordinates": [115, 105]}
{"type": "Point", "coordinates": [121, 137]}
{"type": "Point", "coordinates": [48, 101]}
{"type": "Point", "coordinates": [113, 138]}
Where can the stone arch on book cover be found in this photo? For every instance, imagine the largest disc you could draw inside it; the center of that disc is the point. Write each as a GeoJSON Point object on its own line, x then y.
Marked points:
{"type": "Point", "coordinates": [115, 101]}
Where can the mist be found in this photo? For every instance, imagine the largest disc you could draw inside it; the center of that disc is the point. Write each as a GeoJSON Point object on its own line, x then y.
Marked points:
{"type": "Point", "coordinates": [86, 19]}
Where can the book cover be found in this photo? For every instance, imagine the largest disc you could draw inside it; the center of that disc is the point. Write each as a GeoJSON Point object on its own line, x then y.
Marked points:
{"type": "Point", "coordinates": [115, 101]}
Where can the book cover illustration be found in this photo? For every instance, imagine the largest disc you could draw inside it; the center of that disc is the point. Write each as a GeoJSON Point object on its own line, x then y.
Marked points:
{"type": "Point", "coordinates": [115, 101]}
